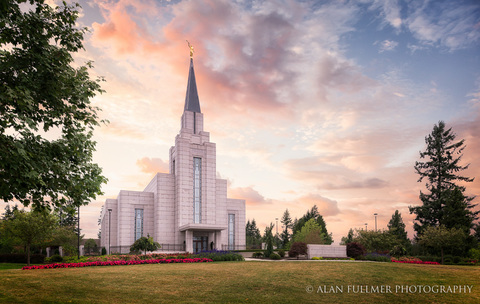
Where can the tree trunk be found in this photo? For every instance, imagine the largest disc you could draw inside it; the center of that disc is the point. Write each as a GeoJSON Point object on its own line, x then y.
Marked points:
{"type": "Point", "coordinates": [28, 254]}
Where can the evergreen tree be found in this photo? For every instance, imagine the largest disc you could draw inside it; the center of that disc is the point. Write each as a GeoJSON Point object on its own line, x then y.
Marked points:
{"type": "Point", "coordinates": [312, 213]}
{"type": "Point", "coordinates": [253, 237]}
{"type": "Point", "coordinates": [396, 227]}
{"type": "Point", "coordinates": [287, 225]}
{"type": "Point", "coordinates": [347, 239]}
{"type": "Point", "coordinates": [311, 233]}
{"type": "Point", "coordinates": [268, 239]}
{"type": "Point", "coordinates": [440, 168]}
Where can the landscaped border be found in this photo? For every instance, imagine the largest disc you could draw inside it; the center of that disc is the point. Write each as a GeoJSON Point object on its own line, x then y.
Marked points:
{"type": "Point", "coordinates": [115, 263]}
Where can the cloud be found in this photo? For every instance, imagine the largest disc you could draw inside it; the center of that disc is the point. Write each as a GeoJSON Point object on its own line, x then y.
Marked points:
{"type": "Point", "coordinates": [387, 45]}
{"type": "Point", "coordinates": [390, 11]}
{"type": "Point", "coordinates": [449, 25]}
{"type": "Point", "coordinates": [250, 195]}
{"type": "Point", "coordinates": [153, 165]}
{"type": "Point", "coordinates": [326, 207]}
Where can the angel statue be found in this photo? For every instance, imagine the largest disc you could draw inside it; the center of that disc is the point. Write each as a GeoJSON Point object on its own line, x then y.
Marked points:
{"type": "Point", "coordinates": [191, 49]}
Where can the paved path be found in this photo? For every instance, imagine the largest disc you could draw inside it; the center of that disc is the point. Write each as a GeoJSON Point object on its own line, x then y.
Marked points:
{"type": "Point", "coordinates": [268, 260]}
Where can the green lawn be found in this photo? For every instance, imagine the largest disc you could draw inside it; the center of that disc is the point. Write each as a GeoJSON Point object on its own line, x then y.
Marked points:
{"type": "Point", "coordinates": [4, 266]}
{"type": "Point", "coordinates": [237, 282]}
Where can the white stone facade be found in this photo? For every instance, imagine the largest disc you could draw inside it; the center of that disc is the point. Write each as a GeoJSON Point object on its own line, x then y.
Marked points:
{"type": "Point", "coordinates": [168, 200]}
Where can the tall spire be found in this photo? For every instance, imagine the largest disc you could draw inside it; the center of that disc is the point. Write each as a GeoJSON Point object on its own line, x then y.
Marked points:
{"type": "Point", "coordinates": [192, 102]}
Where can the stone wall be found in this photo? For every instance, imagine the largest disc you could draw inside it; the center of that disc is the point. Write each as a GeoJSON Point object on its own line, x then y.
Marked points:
{"type": "Point", "coordinates": [324, 251]}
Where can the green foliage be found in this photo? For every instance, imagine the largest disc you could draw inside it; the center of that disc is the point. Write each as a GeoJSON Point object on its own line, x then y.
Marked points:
{"type": "Point", "coordinates": [219, 256]}
{"type": "Point", "coordinates": [104, 251]}
{"type": "Point", "coordinates": [144, 244]}
{"type": "Point", "coordinates": [56, 258]}
{"type": "Point", "coordinates": [474, 253]}
{"type": "Point", "coordinates": [376, 241]}
{"type": "Point", "coordinates": [311, 233]}
{"type": "Point", "coordinates": [281, 253]}
{"type": "Point", "coordinates": [42, 93]}
{"type": "Point", "coordinates": [297, 248]}
{"type": "Point", "coordinates": [317, 258]}
{"type": "Point", "coordinates": [253, 237]}
{"type": "Point", "coordinates": [30, 228]}
{"type": "Point", "coordinates": [396, 227]}
{"type": "Point", "coordinates": [66, 237]}
{"type": "Point", "coordinates": [257, 255]}
{"type": "Point", "coordinates": [287, 226]}
{"type": "Point", "coordinates": [376, 257]}
{"type": "Point", "coordinates": [312, 214]}
{"type": "Point", "coordinates": [90, 243]}
{"type": "Point", "coordinates": [445, 204]}
{"type": "Point", "coordinates": [347, 239]}
{"type": "Point", "coordinates": [274, 256]}
{"type": "Point", "coordinates": [441, 238]}
{"type": "Point", "coordinates": [21, 258]}
{"type": "Point", "coordinates": [268, 237]}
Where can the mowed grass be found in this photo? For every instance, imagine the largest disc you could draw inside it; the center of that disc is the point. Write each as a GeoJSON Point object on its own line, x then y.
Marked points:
{"type": "Point", "coordinates": [235, 282]}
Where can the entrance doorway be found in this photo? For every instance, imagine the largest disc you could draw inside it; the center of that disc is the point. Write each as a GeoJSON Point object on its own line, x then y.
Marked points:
{"type": "Point", "coordinates": [200, 243]}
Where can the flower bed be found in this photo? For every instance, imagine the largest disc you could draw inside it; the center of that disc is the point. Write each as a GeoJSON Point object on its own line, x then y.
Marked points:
{"type": "Point", "coordinates": [114, 263]}
{"type": "Point", "coordinates": [416, 262]}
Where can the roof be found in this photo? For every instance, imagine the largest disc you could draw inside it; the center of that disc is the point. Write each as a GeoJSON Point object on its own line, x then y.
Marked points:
{"type": "Point", "coordinates": [192, 102]}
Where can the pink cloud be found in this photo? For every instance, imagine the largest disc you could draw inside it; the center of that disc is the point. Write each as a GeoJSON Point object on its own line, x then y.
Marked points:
{"type": "Point", "coordinates": [153, 165]}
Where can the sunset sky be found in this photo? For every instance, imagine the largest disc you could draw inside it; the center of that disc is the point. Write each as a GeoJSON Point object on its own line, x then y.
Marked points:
{"type": "Point", "coordinates": [308, 102]}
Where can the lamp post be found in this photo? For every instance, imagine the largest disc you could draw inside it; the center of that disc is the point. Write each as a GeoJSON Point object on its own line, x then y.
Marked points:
{"type": "Point", "coordinates": [109, 228]}
{"type": "Point", "coordinates": [366, 226]}
{"type": "Point", "coordinates": [277, 224]}
{"type": "Point", "coordinates": [375, 220]}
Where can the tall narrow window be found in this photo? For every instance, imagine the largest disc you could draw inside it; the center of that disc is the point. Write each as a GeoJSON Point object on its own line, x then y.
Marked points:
{"type": "Point", "coordinates": [231, 232]}
{"type": "Point", "coordinates": [138, 223]}
{"type": "Point", "coordinates": [197, 190]}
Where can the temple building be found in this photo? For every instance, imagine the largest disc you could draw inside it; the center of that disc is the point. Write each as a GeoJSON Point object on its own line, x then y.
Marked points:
{"type": "Point", "coordinates": [186, 209]}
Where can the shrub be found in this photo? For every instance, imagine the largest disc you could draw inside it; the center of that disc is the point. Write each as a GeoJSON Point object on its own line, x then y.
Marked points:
{"type": "Point", "coordinates": [474, 253]}
{"type": "Point", "coordinates": [275, 256]}
{"type": "Point", "coordinates": [56, 258]}
{"type": "Point", "coordinates": [219, 255]}
{"type": "Point", "coordinates": [317, 258]}
{"type": "Point", "coordinates": [297, 249]}
{"type": "Point", "coordinates": [104, 251]}
{"type": "Point", "coordinates": [377, 257]}
{"type": "Point", "coordinates": [281, 253]}
{"type": "Point", "coordinates": [21, 258]}
{"type": "Point", "coordinates": [257, 255]}
{"type": "Point", "coordinates": [75, 259]}
{"type": "Point", "coordinates": [355, 250]}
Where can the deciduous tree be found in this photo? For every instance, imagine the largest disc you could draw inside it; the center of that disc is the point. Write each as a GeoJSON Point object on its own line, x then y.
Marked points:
{"type": "Point", "coordinates": [145, 243]}
{"type": "Point", "coordinates": [441, 238]}
{"type": "Point", "coordinates": [30, 228]}
{"type": "Point", "coordinates": [46, 114]}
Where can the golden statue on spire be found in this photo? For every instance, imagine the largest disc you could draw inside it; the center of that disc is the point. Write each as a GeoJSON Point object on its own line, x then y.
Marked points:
{"type": "Point", "coordinates": [191, 49]}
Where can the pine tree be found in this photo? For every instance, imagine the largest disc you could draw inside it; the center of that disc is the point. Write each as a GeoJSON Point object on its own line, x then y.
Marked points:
{"type": "Point", "coordinates": [396, 227]}
{"type": "Point", "coordinates": [252, 233]}
{"type": "Point", "coordinates": [287, 225]}
{"type": "Point", "coordinates": [440, 168]}
{"type": "Point", "coordinates": [347, 239]}
{"type": "Point", "coordinates": [312, 213]}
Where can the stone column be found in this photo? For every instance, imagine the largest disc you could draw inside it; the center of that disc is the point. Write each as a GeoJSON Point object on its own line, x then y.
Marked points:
{"type": "Point", "coordinates": [189, 241]}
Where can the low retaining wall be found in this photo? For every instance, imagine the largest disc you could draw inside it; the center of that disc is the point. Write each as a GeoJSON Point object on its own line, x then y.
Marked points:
{"type": "Point", "coordinates": [326, 251]}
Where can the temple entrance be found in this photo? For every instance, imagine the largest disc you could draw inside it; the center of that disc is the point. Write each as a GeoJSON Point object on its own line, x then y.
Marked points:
{"type": "Point", "coordinates": [200, 243]}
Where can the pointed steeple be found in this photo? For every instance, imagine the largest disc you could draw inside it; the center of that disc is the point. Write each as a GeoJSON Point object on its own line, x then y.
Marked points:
{"type": "Point", "coordinates": [192, 102]}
